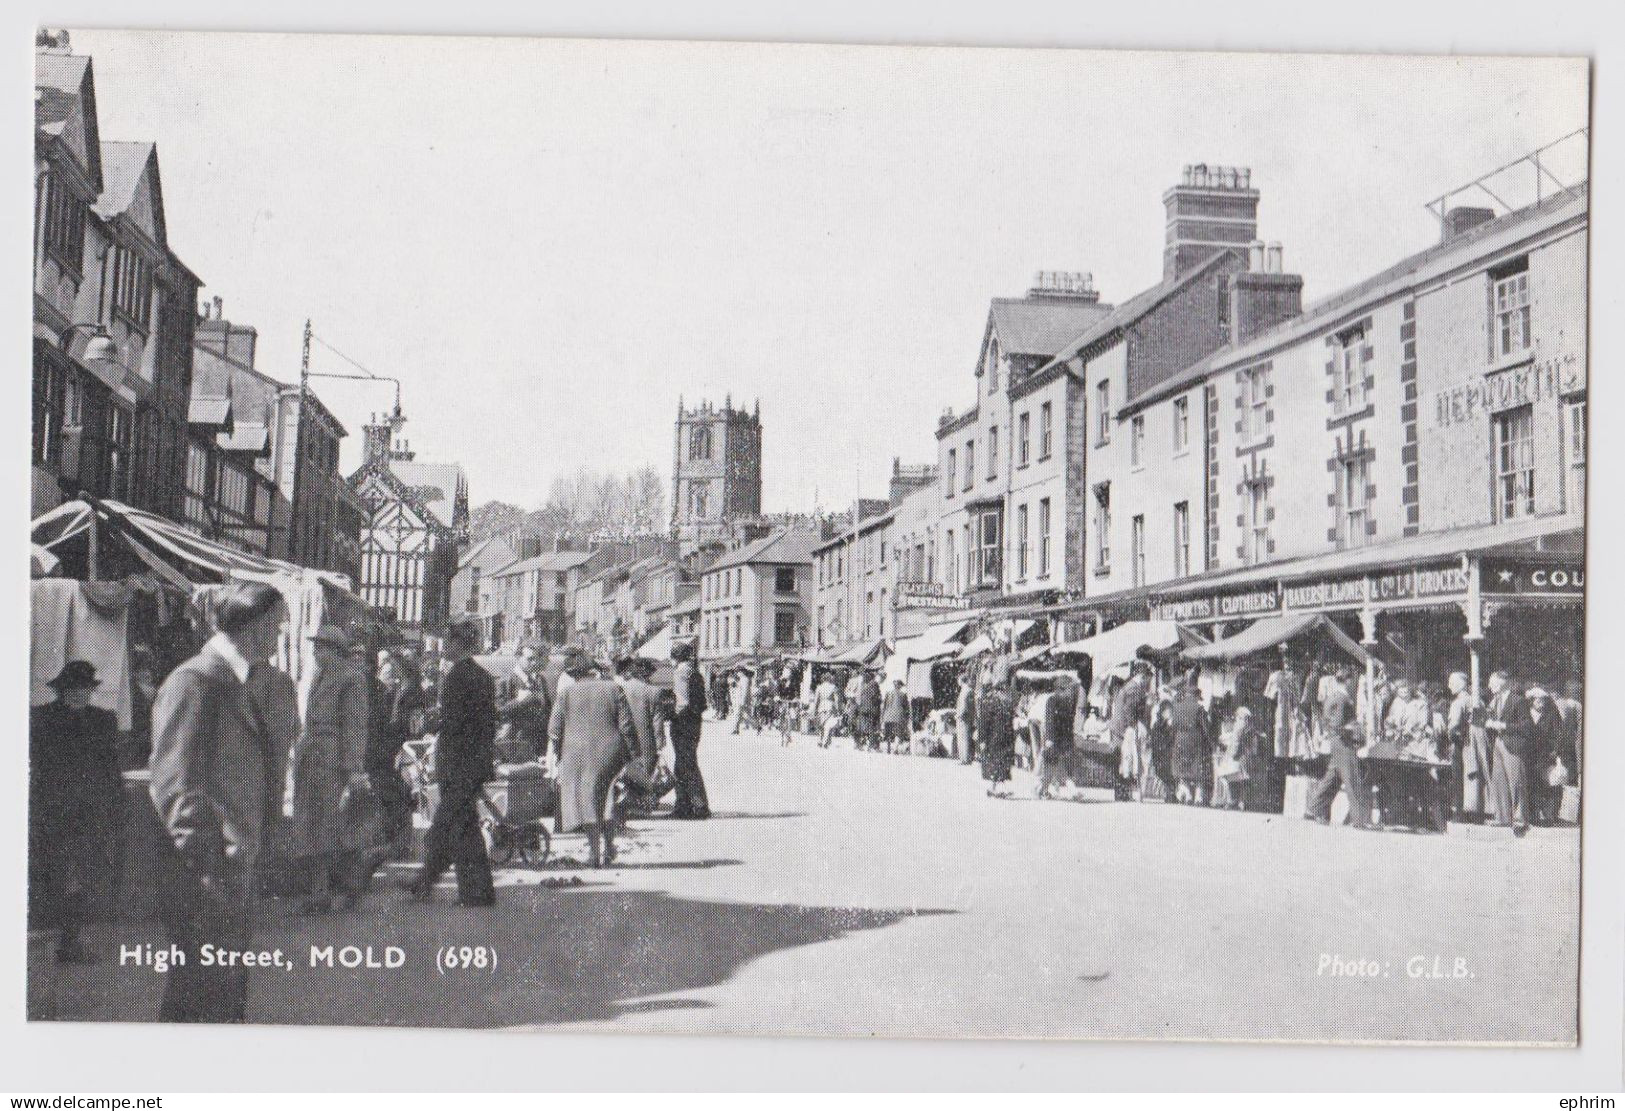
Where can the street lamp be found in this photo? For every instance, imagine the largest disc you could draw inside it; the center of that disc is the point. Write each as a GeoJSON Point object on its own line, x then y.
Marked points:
{"type": "Point", "coordinates": [100, 349]}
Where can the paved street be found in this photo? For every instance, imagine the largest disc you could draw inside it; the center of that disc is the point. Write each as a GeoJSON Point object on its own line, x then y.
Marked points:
{"type": "Point", "coordinates": [886, 895]}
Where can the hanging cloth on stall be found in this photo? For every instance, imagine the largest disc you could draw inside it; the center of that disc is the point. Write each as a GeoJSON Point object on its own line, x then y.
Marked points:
{"type": "Point", "coordinates": [72, 620]}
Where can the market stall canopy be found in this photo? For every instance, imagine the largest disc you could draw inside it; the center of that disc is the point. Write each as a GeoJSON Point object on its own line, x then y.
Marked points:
{"type": "Point", "coordinates": [657, 647]}
{"type": "Point", "coordinates": [499, 666]}
{"type": "Point", "coordinates": [981, 644]}
{"type": "Point", "coordinates": [1123, 644]}
{"type": "Point", "coordinates": [864, 653]}
{"type": "Point", "coordinates": [1272, 632]}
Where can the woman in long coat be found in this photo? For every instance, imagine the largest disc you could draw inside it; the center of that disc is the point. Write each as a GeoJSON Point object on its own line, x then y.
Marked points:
{"type": "Point", "coordinates": [591, 735]}
{"type": "Point", "coordinates": [995, 735]}
{"type": "Point", "coordinates": [1193, 745]}
{"type": "Point", "coordinates": [328, 756]}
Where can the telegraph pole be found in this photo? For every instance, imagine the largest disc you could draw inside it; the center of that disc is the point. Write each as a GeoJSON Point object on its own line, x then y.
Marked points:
{"type": "Point", "coordinates": [295, 528]}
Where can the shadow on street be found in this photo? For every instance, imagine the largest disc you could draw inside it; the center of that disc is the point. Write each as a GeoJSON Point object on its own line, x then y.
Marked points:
{"type": "Point", "coordinates": [576, 954]}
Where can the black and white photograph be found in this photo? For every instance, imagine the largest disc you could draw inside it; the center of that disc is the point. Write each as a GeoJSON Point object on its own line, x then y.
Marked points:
{"type": "Point", "coordinates": [653, 537]}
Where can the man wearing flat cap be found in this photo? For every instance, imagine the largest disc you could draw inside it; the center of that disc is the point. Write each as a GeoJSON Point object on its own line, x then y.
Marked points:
{"type": "Point", "coordinates": [74, 795]}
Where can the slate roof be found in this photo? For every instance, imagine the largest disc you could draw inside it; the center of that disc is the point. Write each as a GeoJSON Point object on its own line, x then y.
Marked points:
{"type": "Point", "coordinates": [1041, 325]}
{"type": "Point", "coordinates": [788, 546]}
{"type": "Point", "coordinates": [1323, 314]}
{"type": "Point", "coordinates": [1134, 309]}
{"type": "Point", "coordinates": [547, 561]}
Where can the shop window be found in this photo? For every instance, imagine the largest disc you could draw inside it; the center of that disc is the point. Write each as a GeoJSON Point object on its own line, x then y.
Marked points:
{"type": "Point", "coordinates": [1258, 522]}
{"type": "Point", "coordinates": [1046, 428]}
{"type": "Point", "coordinates": [1182, 424]}
{"type": "Point", "coordinates": [1024, 430]}
{"type": "Point", "coordinates": [1182, 539]}
{"type": "Point", "coordinates": [1353, 508]}
{"type": "Point", "coordinates": [1515, 462]}
{"type": "Point", "coordinates": [1136, 440]}
{"type": "Point", "coordinates": [1021, 542]}
{"type": "Point", "coordinates": [1137, 549]}
{"type": "Point", "coordinates": [1103, 528]}
{"type": "Point", "coordinates": [1043, 537]}
{"type": "Point", "coordinates": [1510, 295]}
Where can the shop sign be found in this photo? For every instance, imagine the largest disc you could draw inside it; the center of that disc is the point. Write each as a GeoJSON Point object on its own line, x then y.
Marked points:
{"type": "Point", "coordinates": [1540, 380]}
{"type": "Point", "coordinates": [1328, 594]}
{"type": "Point", "coordinates": [1518, 577]}
{"type": "Point", "coordinates": [922, 595]}
{"type": "Point", "coordinates": [1444, 581]}
{"type": "Point", "coordinates": [1206, 607]}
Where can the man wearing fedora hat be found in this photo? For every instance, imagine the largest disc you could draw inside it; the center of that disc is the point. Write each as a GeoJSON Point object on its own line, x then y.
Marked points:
{"type": "Point", "coordinates": [464, 758]}
{"type": "Point", "coordinates": [74, 793]}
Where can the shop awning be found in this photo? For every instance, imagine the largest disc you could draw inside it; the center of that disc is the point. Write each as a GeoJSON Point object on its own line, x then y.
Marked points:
{"type": "Point", "coordinates": [1123, 643]}
{"type": "Point", "coordinates": [657, 647]}
{"type": "Point", "coordinates": [981, 644]}
{"type": "Point", "coordinates": [864, 653]}
{"type": "Point", "coordinates": [1272, 632]}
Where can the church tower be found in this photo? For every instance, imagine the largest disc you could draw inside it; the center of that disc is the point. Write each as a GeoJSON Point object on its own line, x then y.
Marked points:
{"type": "Point", "coordinates": [716, 472]}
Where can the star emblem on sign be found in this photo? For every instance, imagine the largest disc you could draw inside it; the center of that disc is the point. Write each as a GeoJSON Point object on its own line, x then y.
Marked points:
{"type": "Point", "coordinates": [1505, 576]}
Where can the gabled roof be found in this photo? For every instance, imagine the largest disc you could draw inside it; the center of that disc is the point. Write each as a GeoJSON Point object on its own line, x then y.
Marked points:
{"type": "Point", "coordinates": [787, 546]}
{"type": "Point", "coordinates": [436, 485]}
{"type": "Point", "coordinates": [1134, 309]}
{"type": "Point", "coordinates": [1040, 325]}
{"type": "Point", "coordinates": [124, 165]}
{"type": "Point", "coordinates": [394, 487]}
{"type": "Point", "coordinates": [65, 87]}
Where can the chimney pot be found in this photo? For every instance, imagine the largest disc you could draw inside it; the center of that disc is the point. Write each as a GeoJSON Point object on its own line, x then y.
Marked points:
{"type": "Point", "coordinates": [1275, 257]}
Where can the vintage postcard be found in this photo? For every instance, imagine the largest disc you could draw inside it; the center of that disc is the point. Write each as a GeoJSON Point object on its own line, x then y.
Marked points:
{"type": "Point", "coordinates": [807, 540]}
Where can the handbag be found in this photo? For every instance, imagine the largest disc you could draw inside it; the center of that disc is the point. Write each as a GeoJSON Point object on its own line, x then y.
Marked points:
{"type": "Point", "coordinates": [361, 817]}
{"type": "Point", "coordinates": [1557, 775]}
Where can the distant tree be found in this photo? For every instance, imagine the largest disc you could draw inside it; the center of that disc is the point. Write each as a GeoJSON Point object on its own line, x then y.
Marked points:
{"type": "Point", "coordinates": [586, 503]}
{"type": "Point", "coordinates": [493, 519]}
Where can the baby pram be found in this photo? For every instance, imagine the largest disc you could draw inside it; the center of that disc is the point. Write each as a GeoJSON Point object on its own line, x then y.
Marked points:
{"type": "Point", "coordinates": [514, 810]}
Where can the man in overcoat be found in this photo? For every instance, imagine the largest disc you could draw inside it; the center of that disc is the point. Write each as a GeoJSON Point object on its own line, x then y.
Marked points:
{"type": "Point", "coordinates": [688, 693]}
{"type": "Point", "coordinates": [216, 787]}
{"type": "Point", "coordinates": [464, 758]}
{"type": "Point", "coordinates": [591, 737]}
{"type": "Point", "coordinates": [75, 800]}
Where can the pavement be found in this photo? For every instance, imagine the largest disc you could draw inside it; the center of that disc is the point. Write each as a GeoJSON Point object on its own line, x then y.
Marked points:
{"type": "Point", "coordinates": [844, 893]}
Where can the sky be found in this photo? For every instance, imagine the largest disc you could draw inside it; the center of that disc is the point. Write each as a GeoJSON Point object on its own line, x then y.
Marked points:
{"type": "Point", "coordinates": [551, 241]}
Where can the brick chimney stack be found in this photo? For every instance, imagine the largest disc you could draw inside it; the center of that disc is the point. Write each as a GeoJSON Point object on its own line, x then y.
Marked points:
{"type": "Point", "coordinates": [1213, 208]}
